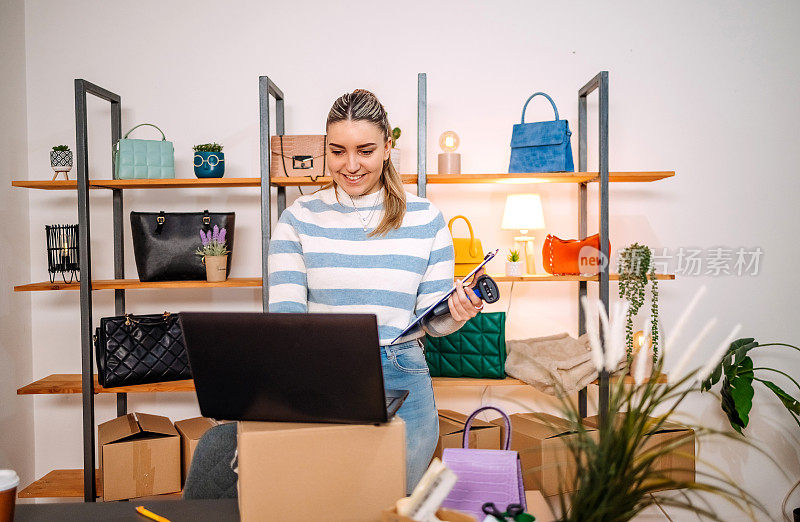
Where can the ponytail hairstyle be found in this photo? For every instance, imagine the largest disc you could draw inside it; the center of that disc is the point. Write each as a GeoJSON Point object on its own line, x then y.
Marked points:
{"type": "Point", "coordinates": [362, 105]}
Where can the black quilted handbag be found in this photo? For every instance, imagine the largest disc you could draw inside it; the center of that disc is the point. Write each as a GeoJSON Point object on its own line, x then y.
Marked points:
{"type": "Point", "coordinates": [140, 349]}
{"type": "Point", "coordinates": [164, 243]}
{"type": "Point", "coordinates": [477, 349]}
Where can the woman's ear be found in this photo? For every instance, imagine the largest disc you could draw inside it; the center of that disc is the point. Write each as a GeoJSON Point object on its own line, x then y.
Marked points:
{"type": "Point", "coordinates": [387, 149]}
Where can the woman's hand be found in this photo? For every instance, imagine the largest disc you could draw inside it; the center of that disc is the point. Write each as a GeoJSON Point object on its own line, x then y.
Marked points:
{"type": "Point", "coordinates": [464, 304]}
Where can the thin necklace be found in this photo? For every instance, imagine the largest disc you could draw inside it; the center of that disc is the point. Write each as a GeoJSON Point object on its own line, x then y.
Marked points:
{"type": "Point", "coordinates": [364, 221]}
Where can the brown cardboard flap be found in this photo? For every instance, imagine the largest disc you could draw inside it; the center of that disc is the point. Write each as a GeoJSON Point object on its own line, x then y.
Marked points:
{"type": "Point", "coordinates": [117, 429]}
{"type": "Point", "coordinates": [666, 427]}
{"type": "Point", "coordinates": [156, 424]}
{"type": "Point", "coordinates": [461, 419]}
{"type": "Point", "coordinates": [194, 428]}
{"type": "Point", "coordinates": [539, 426]}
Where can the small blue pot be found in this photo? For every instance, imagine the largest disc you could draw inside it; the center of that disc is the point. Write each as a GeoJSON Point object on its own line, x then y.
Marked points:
{"type": "Point", "coordinates": [209, 164]}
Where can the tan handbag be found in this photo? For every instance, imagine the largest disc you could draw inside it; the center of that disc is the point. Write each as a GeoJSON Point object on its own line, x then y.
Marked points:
{"type": "Point", "coordinates": [469, 251]}
{"type": "Point", "coordinates": [298, 156]}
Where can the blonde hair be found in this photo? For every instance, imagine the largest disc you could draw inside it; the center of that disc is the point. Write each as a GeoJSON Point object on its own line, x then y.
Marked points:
{"type": "Point", "coordinates": [362, 105]}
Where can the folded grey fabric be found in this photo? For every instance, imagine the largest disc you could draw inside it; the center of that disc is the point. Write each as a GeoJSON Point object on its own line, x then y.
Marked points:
{"type": "Point", "coordinates": [552, 364]}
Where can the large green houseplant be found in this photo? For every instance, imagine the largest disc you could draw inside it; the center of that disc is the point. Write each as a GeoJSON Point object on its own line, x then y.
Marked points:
{"type": "Point", "coordinates": [738, 372]}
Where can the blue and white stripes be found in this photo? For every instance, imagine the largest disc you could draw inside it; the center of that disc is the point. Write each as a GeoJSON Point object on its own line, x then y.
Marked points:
{"type": "Point", "coordinates": [321, 260]}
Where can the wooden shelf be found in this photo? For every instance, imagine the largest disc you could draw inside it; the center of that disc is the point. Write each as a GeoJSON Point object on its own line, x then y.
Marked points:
{"type": "Point", "coordinates": [68, 483]}
{"type": "Point", "coordinates": [60, 483]}
{"type": "Point", "coordinates": [66, 383]}
{"type": "Point", "coordinates": [549, 177]}
{"type": "Point", "coordinates": [129, 284]}
{"type": "Point", "coordinates": [244, 282]}
{"type": "Point", "coordinates": [410, 179]}
{"type": "Point", "coordinates": [142, 183]}
{"type": "Point", "coordinates": [70, 383]}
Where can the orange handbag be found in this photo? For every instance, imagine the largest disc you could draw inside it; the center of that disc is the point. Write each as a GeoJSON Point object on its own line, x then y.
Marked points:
{"type": "Point", "coordinates": [572, 256]}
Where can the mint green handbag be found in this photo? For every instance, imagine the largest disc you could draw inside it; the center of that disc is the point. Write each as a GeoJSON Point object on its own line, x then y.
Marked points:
{"type": "Point", "coordinates": [144, 159]}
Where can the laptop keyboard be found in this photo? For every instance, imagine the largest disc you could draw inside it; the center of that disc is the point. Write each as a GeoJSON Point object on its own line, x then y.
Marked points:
{"type": "Point", "coordinates": [389, 401]}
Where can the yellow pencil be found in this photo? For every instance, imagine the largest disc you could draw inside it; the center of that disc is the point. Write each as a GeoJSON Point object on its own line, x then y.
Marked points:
{"type": "Point", "coordinates": [149, 514]}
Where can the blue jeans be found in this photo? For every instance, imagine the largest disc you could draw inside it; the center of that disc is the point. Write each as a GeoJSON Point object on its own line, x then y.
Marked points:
{"type": "Point", "coordinates": [404, 368]}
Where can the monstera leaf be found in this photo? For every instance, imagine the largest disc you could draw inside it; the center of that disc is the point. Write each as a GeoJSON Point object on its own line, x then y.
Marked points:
{"type": "Point", "coordinates": [790, 402]}
{"type": "Point", "coordinates": [737, 394]}
{"type": "Point", "coordinates": [733, 357]}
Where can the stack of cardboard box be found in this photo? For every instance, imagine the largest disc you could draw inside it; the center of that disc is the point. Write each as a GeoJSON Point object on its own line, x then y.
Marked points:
{"type": "Point", "coordinates": [140, 454]}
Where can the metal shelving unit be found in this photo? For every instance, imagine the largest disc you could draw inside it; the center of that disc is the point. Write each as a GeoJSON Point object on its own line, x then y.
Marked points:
{"type": "Point", "coordinates": [68, 383]}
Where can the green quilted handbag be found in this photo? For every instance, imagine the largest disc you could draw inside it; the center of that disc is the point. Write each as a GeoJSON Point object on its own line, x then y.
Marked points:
{"type": "Point", "coordinates": [477, 350]}
{"type": "Point", "coordinates": [144, 159]}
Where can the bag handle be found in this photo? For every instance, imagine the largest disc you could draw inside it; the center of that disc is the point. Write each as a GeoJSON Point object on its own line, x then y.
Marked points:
{"type": "Point", "coordinates": [538, 94]}
{"type": "Point", "coordinates": [473, 244]}
{"type": "Point", "coordinates": [161, 218]}
{"type": "Point", "coordinates": [465, 441]}
{"type": "Point", "coordinates": [163, 138]}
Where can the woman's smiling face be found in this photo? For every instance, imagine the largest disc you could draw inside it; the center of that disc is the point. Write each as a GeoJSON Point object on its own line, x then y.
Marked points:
{"type": "Point", "coordinates": [357, 150]}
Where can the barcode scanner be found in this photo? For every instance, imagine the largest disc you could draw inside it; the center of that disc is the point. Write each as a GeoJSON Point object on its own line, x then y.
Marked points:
{"type": "Point", "coordinates": [485, 288]}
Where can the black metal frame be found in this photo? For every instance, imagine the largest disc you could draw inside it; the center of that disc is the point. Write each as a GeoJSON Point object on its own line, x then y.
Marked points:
{"type": "Point", "coordinates": [600, 81]}
{"type": "Point", "coordinates": [82, 88]}
{"type": "Point", "coordinates": [266, 88]}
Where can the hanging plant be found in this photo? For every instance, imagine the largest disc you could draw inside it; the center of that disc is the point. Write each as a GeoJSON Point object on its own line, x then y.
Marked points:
{"type": "Point", "coordinates": [634, 267]}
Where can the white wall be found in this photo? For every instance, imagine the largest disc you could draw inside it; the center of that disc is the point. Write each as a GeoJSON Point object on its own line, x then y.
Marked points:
{"type": "Point", "coordinates": [16, 413]}
{"type": "Point", "coordinates": [704, 89]}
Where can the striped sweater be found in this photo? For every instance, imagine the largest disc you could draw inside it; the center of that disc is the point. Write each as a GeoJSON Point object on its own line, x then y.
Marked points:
{"type": "Point", "coordinates": [321, 260]}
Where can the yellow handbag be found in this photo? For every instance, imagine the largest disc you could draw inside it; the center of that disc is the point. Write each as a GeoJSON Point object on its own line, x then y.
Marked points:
{"type": "Point", "coordinates": [468, 250]}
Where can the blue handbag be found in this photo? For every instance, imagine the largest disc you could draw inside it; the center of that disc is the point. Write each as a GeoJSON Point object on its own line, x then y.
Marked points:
{"type": "Point", "coordinates": [144, 159]}
{"type": "Point", "coordinates": [542, 146]}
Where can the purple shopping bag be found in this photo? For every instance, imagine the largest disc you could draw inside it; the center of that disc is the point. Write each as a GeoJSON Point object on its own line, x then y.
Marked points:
{"type": "Point", "coordinates": [484, 475]}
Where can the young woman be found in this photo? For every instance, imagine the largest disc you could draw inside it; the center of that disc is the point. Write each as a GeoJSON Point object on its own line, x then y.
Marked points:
{"type": "Point", "coordinates": [364, 245]}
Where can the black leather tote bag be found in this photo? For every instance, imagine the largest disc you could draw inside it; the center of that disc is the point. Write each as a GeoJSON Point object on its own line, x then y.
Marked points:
{"type": "Point", "coordinates": [164, 243]}
{"type": "Point", "coordinates": [140, 349]}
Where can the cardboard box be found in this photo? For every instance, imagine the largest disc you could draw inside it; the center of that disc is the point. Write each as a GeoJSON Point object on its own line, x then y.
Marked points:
{"type": "Point", "coordinates": [445, 515]}
{"type": "Point", "coordinates": [482, 434]}
{"type": "Point", "coordinates": [347, 472]}
{"type": "Point", "coordinates": [139, 456]}
{"type": "Point", "coordinates": [540, 439]}
{"type": "Point", "coordinates": [190, 431]}
{"type": "Point", "coordinates": [538, 506]}
{"type": "Point", "coordinates": [678, 464]}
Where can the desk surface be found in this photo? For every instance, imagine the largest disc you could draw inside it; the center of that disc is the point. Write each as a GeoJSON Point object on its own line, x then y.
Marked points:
{"type": "Point", "coordinates": [222, 510]}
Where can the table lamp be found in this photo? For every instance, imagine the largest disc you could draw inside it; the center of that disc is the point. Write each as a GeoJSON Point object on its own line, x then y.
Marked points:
{"type": "Point", "coordinates": [523, 212]}
{"type": "Point", "coordinates": [449, 160]}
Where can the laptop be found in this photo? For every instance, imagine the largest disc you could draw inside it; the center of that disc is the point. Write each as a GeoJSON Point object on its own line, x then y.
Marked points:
{"type": "Point", "coordinates": [288, 367]}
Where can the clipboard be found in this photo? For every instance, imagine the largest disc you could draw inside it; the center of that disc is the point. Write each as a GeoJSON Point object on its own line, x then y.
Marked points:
{"type": "Point", "coordinates": [488, 257]}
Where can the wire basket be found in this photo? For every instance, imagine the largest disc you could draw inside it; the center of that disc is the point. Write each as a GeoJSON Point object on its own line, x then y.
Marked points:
{"type": "Point", "coordinates": [62, 252]}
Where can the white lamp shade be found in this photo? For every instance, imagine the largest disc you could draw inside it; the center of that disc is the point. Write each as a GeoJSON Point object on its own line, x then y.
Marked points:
{"type": "Point", "coordinates": [523, 212]}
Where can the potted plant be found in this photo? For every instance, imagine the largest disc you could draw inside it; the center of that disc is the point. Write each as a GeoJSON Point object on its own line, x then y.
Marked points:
{"type": "Point", "coordinates": [625, 465]}
{"type": "Point", "coordinates": [395, 155]}
{"type": "Point", "coordinates": [635, 269]}
{"type": "Point", "coordinates": [737, 371]}
{"type": "Point", "coordinates": [214, 254]}
{"type": "Point", "coordinates": [514, 267]}
{"type": "Point", "coordinates": [209, 160]}
{"type": "Point", "coordinates": [61, 160]}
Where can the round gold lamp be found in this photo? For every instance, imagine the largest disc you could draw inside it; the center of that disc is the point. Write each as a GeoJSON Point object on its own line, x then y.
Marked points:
{"type": "Point", "coordinates": [449, 160]}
